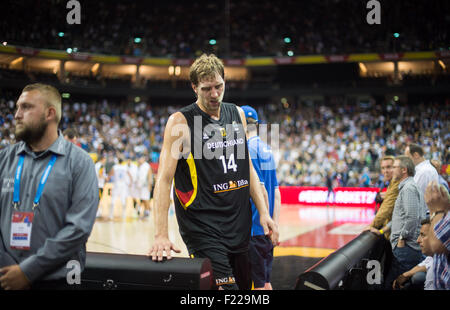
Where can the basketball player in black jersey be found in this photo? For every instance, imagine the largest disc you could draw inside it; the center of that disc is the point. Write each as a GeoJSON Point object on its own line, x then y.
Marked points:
{"type": "Point", "coordinates": [205, 155]}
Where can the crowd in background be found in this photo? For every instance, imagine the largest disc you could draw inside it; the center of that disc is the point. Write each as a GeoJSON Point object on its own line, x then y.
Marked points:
{"type": "Point", "coordinates": [334, 140]}
{"type": "Point", "coordinates": [247, 28]}
{"type": "Point", "coordinates": [349, 139]}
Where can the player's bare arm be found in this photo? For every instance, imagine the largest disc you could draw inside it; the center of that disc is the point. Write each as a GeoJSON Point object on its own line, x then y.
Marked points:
{"type": "Point", "coordinates": [174, 135]}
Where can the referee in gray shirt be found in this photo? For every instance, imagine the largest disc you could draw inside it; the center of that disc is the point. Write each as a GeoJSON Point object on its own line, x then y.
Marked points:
{"type": "Point", "coordinates": [48, 196]}
{"type": "Point", "coordinates": [409, 211]}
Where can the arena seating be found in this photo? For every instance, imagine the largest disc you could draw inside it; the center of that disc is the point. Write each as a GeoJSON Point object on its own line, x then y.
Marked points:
{"type": "Point", "coordinates": [337, 134]}
{"type": "Point", "coordinates": [239, 28]}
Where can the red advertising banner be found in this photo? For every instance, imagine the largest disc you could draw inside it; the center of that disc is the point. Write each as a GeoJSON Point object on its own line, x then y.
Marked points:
{"type": "Point", "coordinates": [320, 196]}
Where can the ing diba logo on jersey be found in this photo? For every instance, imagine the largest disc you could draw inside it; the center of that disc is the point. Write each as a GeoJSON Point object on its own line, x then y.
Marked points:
{"type": "Point", "coordinates": [225, 280]}
{"type": "Point", "coordinates": [230, 186]}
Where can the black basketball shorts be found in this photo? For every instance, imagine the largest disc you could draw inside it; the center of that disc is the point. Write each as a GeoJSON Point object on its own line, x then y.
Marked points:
{"type": "Point", "coordinates": [231, 270]}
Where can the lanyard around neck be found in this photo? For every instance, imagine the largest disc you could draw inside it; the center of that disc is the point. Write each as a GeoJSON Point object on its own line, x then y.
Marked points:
{"type": "Point", "coordinates": [18, 176]}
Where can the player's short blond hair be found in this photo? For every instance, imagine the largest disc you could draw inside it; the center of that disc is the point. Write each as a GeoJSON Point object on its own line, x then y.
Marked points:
{"type": "Point", "coordinates": [52, 95]}
{"type": "Point", "coordinates": [206, 66]}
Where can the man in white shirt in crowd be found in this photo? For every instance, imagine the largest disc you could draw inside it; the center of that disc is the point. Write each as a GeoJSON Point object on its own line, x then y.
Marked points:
{"type": "Point", "coordinates": [425, 172]}
{"type": "Point", "coordinates": [144, 183]}
{"type": "Point", "coordinates": [134, 186]}
{"type": "Point", "coordinates": [121, 187]}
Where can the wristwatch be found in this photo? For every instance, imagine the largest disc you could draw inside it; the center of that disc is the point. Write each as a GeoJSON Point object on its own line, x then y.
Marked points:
{"type": "Point", "coordinates": [436, 213]}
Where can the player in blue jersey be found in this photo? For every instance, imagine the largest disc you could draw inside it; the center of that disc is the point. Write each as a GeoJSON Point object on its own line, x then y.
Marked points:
{"type": "Point", "coordinates": [261, 247]}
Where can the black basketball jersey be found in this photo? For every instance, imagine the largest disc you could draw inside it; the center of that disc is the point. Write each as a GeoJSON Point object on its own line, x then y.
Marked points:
{"type": "Point", "coordinates": [212, 182]}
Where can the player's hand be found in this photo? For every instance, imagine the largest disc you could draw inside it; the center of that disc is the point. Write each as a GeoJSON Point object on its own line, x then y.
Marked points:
{"type": "Point", "coordinates": [270, 228]}
{"type": "Point", "coordinates": [161, 245]}
{"type": "Point", "coordinates": [13, 278]}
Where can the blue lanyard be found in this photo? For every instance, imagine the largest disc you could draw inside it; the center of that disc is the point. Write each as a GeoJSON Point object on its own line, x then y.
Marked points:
{"type": "Point", "coordinates": [18, 176]}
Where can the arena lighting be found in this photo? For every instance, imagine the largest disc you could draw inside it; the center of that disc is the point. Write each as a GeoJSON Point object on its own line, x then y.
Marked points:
{"type": "Point", "coordinates": [290, 53]}
{"type": "Point", "coordinates": [362, 67]}
{"type": "Point", "coordinates": [65, 95]}
{"type": "Point", "coordinates": [177, 70]}
{"type": "Point", "coordinates": [69, 50]}
{"type": "Point", "coordinates": [16, 61]}
{"type": "Point", "coordinates": [441, 63]}
{"type": "Point", "coordinates": [171, 70]}
{"type": "Point", "coordinates": [285, 102]}
{"type": "Point", "coordinates": [5, 43]}
{"type": "Point", "coordinates": [95, 68]}
{"type": "Point", "coordinates": [287, 40]}
{"type": "Point", "coordinates": [396, 35]}
{"type": "Point", "coordinates": [61, 34]}
{"type": "Point", "coordinates": [396, 98]}
{"type": "Point", "coordinates": [212, 42]}
{"type": "Point", "coordinates": [137, 99]}
{"type": "Point", "coordinates": [137, 40]}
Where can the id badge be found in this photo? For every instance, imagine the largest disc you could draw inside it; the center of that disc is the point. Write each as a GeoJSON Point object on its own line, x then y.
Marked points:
{"type": "Point", "coordinates": [21, 225]}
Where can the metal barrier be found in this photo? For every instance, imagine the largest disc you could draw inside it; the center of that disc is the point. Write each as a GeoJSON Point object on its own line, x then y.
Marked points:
{"type": "Point", "coordinates": [346, 268]}
{"type": "Point", "coordinates": [121, 271]}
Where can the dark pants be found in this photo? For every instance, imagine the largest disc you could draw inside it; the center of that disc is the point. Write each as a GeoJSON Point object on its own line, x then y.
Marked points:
{"type": "Point", "coordinates": [404, 259]}
{"type": "Point", "coordinates": [417, 281]}
{"type": "Point", "coordinates": [261, 258]}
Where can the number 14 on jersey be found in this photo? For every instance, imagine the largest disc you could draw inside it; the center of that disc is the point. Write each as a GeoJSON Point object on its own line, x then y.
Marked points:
{"type": "Point", "coordinates": [231, 165]}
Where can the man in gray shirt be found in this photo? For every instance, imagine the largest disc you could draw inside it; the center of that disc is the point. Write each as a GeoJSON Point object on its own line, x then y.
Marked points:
{"type": "Point", "coordinates": [409, 211]}
{"type": "Point", "coordinates": [48, 196]}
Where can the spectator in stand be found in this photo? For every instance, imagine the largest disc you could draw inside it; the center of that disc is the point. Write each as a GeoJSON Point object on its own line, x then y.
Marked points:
{"type": "Point", "coordinates": [421, 276]}
{"type": "Point", "coordinates": [438, 201]}
{"type": "Point", "coordinates": [331, 134]}
{"type": "Point", "coordinates": [254, 28]}
{"type": "Point", "coordinates": [409, 211]}
{"type": "Point", "coordinates": [365, 178]}
{"type": "Point", "coordinates": [425, 172]}
{"type": "Point", "coordinates": [71, 135]}
{"type": "Point", "coordinates": [386, 165]}
{"type": "Point", "coordinates": [388, 197]}
{"type": "Point", "coordinates": [329, 182]}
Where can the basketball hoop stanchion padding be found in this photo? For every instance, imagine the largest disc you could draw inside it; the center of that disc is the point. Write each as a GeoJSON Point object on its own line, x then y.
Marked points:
{"type": "Point", "coordinates": [327, 273]}
{"type": "Point", "coordinates": [105, 271]}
